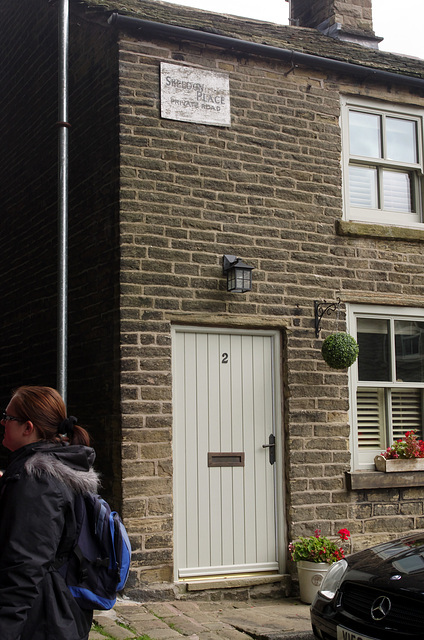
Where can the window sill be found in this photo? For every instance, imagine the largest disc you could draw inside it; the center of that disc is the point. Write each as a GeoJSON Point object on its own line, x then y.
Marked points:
{"type": "Point", "coordinates": [364, 230]}
{"type": "Point", "coordinates": [357, 480]}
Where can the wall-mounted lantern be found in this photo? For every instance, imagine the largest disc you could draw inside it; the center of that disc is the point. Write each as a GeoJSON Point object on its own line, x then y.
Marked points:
{"type": "Point", "coordinates": [239, 274]}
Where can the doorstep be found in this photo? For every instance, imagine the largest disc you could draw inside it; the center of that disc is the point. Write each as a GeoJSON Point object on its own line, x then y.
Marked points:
{"type": "Point", "coordinates": [232, 582]}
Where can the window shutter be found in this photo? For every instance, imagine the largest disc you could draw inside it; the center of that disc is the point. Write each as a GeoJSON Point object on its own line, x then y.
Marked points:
{"type": "Point", "coordinates": [363, 187]}
{"type": "Point", "coordinates": [406, 412]}
{"type": "Point", "coordinates": [397, 191]}
{"type": "Point", "coordinates": [370, 418]}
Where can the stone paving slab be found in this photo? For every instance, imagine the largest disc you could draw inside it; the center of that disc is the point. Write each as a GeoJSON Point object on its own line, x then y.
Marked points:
{"type": "Point", "coordinates": [227, 634]}
{"type": "Point", "coordinates": [94, 635]}
{"type": "Point", "coordinates": [108, 620]}
{"type": "Point", "coordinates": [185, 626]}
{"type": "Point", "coordinates": [264, 619]}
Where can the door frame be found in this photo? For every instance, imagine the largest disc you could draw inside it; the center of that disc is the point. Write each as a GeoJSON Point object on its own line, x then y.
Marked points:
{"type": "Point", "coordinates": [278, 469]}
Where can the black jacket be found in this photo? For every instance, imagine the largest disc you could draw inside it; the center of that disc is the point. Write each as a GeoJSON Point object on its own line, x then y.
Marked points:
{"type": "Point", "coordinates": [37, 495]}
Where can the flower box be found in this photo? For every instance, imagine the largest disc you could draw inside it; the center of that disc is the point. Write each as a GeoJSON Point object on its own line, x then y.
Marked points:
{"type": "Point", "coordinates": [398, 464]}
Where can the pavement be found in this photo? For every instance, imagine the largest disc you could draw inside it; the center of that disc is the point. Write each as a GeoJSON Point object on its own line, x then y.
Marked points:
{"type": "Point", "coordinates": [262, 619]}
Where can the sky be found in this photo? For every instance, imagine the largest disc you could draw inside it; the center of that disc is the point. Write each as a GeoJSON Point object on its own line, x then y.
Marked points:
{"type": "Point", "coordinates": [400, 22]}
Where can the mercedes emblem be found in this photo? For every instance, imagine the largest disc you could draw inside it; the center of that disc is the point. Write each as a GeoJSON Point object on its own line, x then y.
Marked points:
{"type": "Point", "coordinates": [380, 608]}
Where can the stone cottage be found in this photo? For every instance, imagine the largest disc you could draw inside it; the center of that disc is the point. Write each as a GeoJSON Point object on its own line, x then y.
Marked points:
{"type": "Point", "coordinates": [201, 143]}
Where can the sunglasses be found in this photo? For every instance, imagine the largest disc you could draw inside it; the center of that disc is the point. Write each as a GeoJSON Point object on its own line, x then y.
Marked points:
{"type": "Point", "coordinates": [5, 418]}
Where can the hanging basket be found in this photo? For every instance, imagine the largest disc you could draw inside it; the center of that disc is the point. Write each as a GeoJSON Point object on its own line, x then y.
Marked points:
{"type": "Point", "coordinates": [339, 350]}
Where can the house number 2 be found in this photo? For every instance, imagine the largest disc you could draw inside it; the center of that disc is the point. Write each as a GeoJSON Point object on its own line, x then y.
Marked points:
{"type": "Point", "coordinates": [224, 358]}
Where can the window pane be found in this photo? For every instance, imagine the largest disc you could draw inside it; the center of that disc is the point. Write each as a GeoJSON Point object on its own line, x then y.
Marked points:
{"type": "Point", "coordinates": [397, 191]}
{"type": "Point", "coordinates": [371, 418]}
{"type": "Point", "coordinates": [409, 341]}
{"type": "Point", "coordinates": [406, 412]}
{"type": "Point", "coordinates": [363, 187]}
{"type": "Point", "coordinates": [401, 140]}
{"type": "Point", "coordinates": [364, 134]}
{"type": "Point", "coordinates": [373, 341]}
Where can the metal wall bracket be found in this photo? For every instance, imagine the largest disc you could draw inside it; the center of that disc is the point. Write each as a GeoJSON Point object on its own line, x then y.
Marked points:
{"type": "Point", "coordinates": [322, 308]}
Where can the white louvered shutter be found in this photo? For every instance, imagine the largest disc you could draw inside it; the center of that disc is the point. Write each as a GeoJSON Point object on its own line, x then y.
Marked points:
{"type": "Point", "coordinates": [370, 418]}
{"type": "Point", "coordinates": [406, 412]}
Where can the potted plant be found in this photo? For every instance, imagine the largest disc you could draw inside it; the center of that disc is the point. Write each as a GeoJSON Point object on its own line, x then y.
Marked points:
{"type": "Point", "coordinates": [313, 556]}
{"type": "Point", "coordinates": [340, 350]}
{"type": "Point", "coordinates": [405, 454]}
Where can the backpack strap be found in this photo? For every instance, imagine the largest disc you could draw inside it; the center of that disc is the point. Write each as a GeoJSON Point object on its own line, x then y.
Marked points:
{"type": "Point", "coordinates": [81, 515]}
{"type": "Point", "coordinates": [84, 563]}
{"type": "Point", "coordinates": [71, 528]}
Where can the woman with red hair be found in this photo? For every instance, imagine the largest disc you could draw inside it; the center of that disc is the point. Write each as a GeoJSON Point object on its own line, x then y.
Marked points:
{"type": "Point", "coordinates": [50, 463]}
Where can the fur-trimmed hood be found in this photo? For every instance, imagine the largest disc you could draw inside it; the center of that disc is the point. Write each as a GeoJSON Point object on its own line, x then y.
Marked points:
{"type": "Point", "coordinates": [57, 466]}
{"type": "Point", "coordinates": [70, 464]}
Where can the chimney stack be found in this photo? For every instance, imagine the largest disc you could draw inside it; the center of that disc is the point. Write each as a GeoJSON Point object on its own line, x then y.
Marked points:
{"type": "Point", "coordinates": [349, 20]}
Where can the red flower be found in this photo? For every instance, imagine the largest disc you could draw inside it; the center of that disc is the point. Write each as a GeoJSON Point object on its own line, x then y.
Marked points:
{"type": "Point", "coordinates": [409, 447]}
{"type": "Point", "coordinates": [317, 548]}
{"type": "Point", "coordinates": [344, 534]}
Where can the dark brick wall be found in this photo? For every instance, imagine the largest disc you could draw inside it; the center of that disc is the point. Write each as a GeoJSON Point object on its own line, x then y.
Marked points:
{"type": "Point", "coordinates": [28, 199]}
{"type": "Point", "coordinates": [94, 247]}
{"type": "Point", "coordinates": [28, 163]}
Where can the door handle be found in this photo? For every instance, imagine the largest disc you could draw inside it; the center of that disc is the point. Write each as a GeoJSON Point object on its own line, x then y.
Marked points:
{"type": "Point", "coordinates": [271, 447]}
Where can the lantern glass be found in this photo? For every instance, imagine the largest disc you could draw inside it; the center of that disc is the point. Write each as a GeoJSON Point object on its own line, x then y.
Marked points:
{"type": "Point", "coordinates": [239, 279]}
{"type": "Point", "coordinates": [239, 274]}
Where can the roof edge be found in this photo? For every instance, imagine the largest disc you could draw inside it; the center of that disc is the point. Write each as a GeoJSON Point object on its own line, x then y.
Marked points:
{"type": "Point", "coordinates": [295, 57]}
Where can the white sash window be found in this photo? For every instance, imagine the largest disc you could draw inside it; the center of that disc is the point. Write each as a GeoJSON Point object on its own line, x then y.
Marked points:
{"type": "Point", "coordinates": [382, 162]}
{"type": "Point", "coordinates": [387, 381]}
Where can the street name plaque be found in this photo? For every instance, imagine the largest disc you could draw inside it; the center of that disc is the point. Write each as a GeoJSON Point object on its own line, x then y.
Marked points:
{"type": "Point", "coordinates": [197, 95]}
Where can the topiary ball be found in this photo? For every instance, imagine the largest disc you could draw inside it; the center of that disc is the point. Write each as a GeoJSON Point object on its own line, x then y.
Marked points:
{"type": "Point", "coordinates": [340, 350]}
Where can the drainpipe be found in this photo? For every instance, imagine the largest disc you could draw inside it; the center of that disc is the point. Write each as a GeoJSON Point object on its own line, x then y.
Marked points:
{"type": "Point", "coordinates": [63, 125]}
{"type": "Point", "coordinates": [294, 57]}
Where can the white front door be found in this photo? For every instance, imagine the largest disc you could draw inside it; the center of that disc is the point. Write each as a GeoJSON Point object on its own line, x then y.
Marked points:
{"type": "Point", "coordinates": [226, 407]}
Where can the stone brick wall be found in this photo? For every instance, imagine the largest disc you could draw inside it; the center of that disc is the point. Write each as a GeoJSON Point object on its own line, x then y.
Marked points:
{"type": "Point", "coordinates": [151, 214]}
{"type": "Point", "coordinates": [351, 14]}
{"type": "Point", "coordinates": [267, 189]}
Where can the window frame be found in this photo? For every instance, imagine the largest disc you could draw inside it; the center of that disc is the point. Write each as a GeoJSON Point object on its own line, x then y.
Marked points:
{"type": "Point", "coordinates": [376, 215]}
{"type": "Point", "coordinates": [362, 461]}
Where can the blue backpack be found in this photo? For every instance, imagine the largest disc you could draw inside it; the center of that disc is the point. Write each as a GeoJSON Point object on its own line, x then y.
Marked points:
{"type": "Point", "coordinates": [98, 565]}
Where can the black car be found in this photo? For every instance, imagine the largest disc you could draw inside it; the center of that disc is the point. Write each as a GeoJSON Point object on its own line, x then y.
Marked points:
{"type": "Point", "coordinates": [376, 594]}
